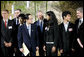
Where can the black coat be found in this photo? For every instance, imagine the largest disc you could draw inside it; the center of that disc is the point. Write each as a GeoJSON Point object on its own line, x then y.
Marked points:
{"type": "Point", "coordinates": [66, 37]}
{"type": "Point", "coordinates": [15, 32]}
{"type": "Point", "coordinates": [51, 33]}
{"type": "Point", "coordinates": [78, 34]}
{"type": "Point", "coordinates": [79, 31]}
{"type": "Point", "coordinates": [40, 34]}
{"type": "Point", "coordinates": [7, 33]}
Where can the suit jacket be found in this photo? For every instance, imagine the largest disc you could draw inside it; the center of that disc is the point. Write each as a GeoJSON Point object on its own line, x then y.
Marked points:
{"type": "Point", "coordinates": [15, 33]}
{"type": "Point", "coordinates": [51, 33]}
{"type": "Point", "coordinates": [66, 37]}
{"type": "Point", "coordinates": [40, 34]}
{"type": "Point", "coordinates": [7, 33]}
{"type": "Point", "coordinates": [79, 31]}
{"type": "Point", "coordinates": [23, 36]}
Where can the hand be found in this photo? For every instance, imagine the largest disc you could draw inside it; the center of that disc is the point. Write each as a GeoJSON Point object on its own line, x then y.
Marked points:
{"type": "Point", "coordinates": [81, 45]}
{"type": "Point", "coordinates": [44, 48]}
{"type": "Point", "coordinates": [21, 49]}
{"type": "Point", "coordinates": [37, 48]}
{"type": "Point", "coordinates": [9, 44]}
{"type": "Point", "coordinates": [61, 51]}
{"type": "Point", "coordinates": [6, 44]}
{"type": "Point", "coordinates": [53, 49]}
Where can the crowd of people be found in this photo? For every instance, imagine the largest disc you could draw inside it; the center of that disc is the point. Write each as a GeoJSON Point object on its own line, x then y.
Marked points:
{"type": "Point", "coordinates": [44, 35]}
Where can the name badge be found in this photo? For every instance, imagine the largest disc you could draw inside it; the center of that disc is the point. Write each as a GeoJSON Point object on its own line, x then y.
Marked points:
{"type": "Point", "coordinates": [10, 27]}
{"type": "Point", "coordinates": [70, 29]}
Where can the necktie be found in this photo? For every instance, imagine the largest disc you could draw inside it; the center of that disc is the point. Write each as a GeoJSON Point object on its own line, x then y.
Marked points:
{"type": "Point", "coordinates": [29, 31]}
{"type": "Point", "coordinates": [17, 21]}
{"type": "Point", "coordinates": [79, 23]}
{"type": "Point", "coordinates": [41, 27]}
{"type": "Point", "coordinates": [5, 23]}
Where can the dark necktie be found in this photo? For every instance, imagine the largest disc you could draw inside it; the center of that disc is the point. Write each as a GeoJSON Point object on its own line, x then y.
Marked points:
{"type": "Point", "coordinates": [41, 27]}
{"type": "Point", "coordinates": [79, 23]}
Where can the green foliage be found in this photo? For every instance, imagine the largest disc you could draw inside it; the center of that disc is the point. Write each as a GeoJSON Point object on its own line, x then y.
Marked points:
{"type": "Point", "coordinates": [42, 5]}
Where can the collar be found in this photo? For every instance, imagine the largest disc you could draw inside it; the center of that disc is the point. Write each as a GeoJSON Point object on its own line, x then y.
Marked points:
{"type": "Point", "coordinates": [66, 23]}
{"type": "Point", "coordinates": [6, 20]}
{"type": "Point", "coordinates": [28, 25]}
{"type": "Point", "coordinates": [40, 20]}
{"type": "Point", "coordinates": [81, 19]}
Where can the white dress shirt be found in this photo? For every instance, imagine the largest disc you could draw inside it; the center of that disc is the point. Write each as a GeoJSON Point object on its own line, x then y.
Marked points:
{"type": "Point", "coordinates": [66, 25]}
{"type": "Point", "coordinates": [6, 21]}
{"type": "Point", "coordinates": [29, 28]}
{"type": "Point", "coordinates": [80, 22]}
{"type": "Point", "coordinates": [40, 22]}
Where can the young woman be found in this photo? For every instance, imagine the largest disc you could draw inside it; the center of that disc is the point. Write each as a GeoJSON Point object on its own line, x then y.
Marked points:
{"type": "Point", "coordinates": [51, 34]}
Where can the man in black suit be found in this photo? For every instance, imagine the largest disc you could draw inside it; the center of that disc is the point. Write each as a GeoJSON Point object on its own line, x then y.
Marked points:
{"type": "Point", "coordinates": [1, 54]}
{"type": "Point", "coordinates": [16, 24]}
{"type": "Point", "coordinates": [16, 14]}
{"type": "Point", "coordinates": [79, 32]}
{"type": "Point", "coordinates": [6, 34]}
{"type": "Point", "coordinates": [66, 30]}
{"type": "Point", "coordinates": [40, 23]}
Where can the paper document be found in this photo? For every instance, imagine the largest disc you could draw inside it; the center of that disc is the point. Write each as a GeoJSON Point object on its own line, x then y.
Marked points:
{"type": "Point", "coordinates": [26, 51]}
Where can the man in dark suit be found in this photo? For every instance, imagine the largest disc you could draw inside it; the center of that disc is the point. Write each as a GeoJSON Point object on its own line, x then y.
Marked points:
{"type": "Point", "coordinates": [1, 54]}
{"type": "Point", "coordinates": [7, 29]}
{"type": "Point", "coordinates": [16, 14]}
{"type": "Point", "coordinates": [16, 24]}
{"type": "Point", "coordinates": [79, 32]}
{"type": "Point", "coordinates": [28, 34]}
{"type": "Point", "coordinates": [66, 30]}
{"type": "Point", "coordinates": [40, 23]}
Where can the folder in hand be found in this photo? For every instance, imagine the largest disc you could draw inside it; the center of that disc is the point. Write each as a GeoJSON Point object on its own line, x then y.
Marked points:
{"type": "Point", "coordinates": [26, 51]}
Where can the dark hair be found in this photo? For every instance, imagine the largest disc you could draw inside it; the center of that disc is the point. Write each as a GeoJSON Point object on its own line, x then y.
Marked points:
{"type": "Point", "coordinates": [27, 16]}
{"type": "Point", "coordinates": [65, 13]}
{"type": "Point", "coordinates": [18, 9]}
{"type": "Point", "coordinates": [22, 16]}
{"type": "Point", "coordinates": [52, 16]}
{"type": "Point", "coordinates": [6, 10]}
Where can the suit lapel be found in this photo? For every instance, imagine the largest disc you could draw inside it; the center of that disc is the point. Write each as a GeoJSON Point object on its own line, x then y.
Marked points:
{"type": "Point", "coordinates": [64, 32]}
{"type": "Point", "coordinates": [3, 27]}
{"type": "Point", "coordinates": [26, 30]}
{"type": "Point", "coordinates": [31, 30]}
{"type": "Point", "coordinates": [80, 26]}
{"type": "Point", "coordinates": [38, 23]}
{"type": "Point", "coordinates": [63, 27]}
{"type": "Point", "coordinates": [68, 27]}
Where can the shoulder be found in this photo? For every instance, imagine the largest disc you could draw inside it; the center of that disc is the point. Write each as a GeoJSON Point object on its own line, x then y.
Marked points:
{"type": "Point", "coordinates": [13, 19]}
{"type": "Point", "coordinates": [45, 20]}
{"type": "Point", "coordinates": [34, 25]}
{"type": "Point", "coordinates": [77, 21]}
{"type": "Point", "coordinates": [35, 22]}
{"type": "Point", "coordinates": [60, 24]}
{"type": "Point", "coordinates": [71, 23]}
{"type": "Point", "coordinates": [22, 26]}
{"type": "Point", "coordinates": [10, 21]}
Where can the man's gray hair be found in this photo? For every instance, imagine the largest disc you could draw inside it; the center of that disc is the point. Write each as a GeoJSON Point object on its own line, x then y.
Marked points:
{"type": "Point", "coordinates": [80, 9]}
